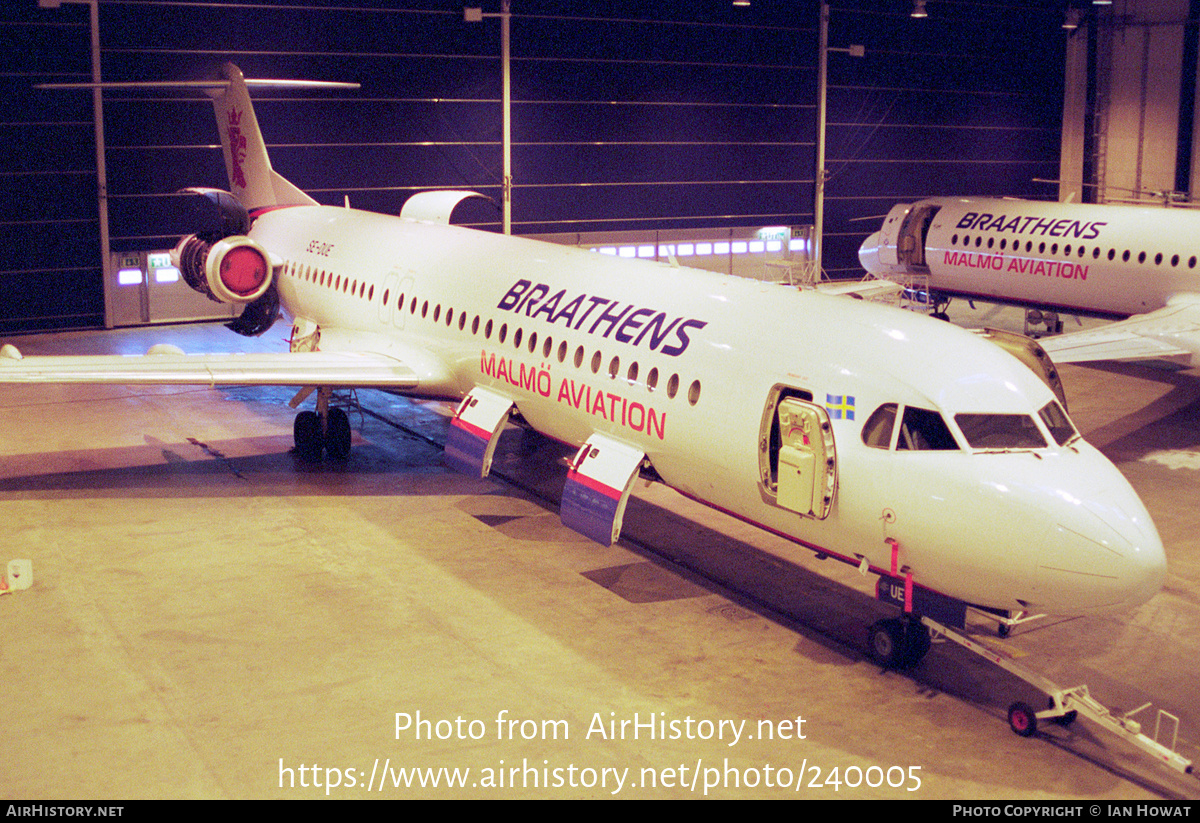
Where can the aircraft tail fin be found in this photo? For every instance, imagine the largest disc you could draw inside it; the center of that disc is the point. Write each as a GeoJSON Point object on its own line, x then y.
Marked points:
{"type": "Point", "coordinates": [251, 178]}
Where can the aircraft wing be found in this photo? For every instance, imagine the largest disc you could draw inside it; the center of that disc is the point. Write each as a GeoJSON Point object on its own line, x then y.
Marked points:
{"type": "Point", "coordinates": [173, 367]}
{"type": "Point", "coordinates": [1171, 331]}
{"type": "Point", "coordinates": [866, 288]}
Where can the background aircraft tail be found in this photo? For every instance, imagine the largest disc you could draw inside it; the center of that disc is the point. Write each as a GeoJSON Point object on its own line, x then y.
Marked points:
{"type": "Point", "coordinates": [251, 179]}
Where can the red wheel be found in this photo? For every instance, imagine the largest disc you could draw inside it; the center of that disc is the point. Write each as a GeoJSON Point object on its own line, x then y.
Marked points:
{"type": "Point", "coordinates": [1022, 719]}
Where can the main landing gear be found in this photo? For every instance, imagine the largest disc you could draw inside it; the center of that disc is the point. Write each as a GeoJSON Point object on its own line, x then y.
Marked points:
{"type": "Point", "coordinates": [326, 430]}
{"type": "Point", "coordinates": [898, 643]}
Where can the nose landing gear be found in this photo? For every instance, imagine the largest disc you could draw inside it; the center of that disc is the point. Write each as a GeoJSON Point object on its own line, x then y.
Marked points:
{"type": "Point", "coordinates": [898, 643]}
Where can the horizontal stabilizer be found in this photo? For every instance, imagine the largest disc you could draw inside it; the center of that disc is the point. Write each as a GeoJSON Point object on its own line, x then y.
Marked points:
{"type": "Point", "coordinates": [201, 85]}
{"type": "Point", "coordinates": [868, 288]}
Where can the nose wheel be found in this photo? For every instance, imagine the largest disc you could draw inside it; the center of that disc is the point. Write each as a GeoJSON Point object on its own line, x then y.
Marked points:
{"type": "Point", "coordinates": [898, 643]}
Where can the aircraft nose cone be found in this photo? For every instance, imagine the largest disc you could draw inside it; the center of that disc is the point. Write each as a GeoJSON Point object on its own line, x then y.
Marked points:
{"type": "Point", "coordinates": [868, 253]}
{"type": "Point", "coordinates": [1103, 546]}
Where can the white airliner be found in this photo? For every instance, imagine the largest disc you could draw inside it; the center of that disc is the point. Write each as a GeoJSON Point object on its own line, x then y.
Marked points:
{"type": "Point", "coordinates": [893, 442]}
{"type": "Point", "coordinates": [1135, 262]}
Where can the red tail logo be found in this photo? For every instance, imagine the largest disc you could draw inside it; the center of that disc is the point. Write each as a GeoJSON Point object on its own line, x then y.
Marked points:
{"type": "Point", "coordinates": [237, 149]}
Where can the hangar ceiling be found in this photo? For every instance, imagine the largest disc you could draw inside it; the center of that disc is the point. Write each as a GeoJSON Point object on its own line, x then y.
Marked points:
{"type": "Point", "coordinates": [633, 116]}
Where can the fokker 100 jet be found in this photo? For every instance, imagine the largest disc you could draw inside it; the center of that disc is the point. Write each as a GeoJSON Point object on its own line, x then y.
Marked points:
{"type": "Point", "coordinates": [1137, 264]}
{"type": "Point", "coordinates": [890, 441]}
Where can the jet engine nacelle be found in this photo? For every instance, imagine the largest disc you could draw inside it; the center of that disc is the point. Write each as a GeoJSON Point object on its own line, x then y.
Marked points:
{"type": "Point", "coordinates": [231, 270]}
{"type": "Point", "coordinates": [222, 263]}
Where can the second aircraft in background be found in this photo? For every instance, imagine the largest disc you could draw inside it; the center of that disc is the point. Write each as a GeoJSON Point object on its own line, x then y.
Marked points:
{"type": "Point", "coordinates": [1139, 265]}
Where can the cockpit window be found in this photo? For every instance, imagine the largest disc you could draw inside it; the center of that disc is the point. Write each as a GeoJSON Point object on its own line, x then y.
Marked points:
{"type": "Point", "coordinates": [1000, 431]}
{"type": "Point", "coordinates": [877, 431]}
{"type": "Point", "coordinates": [1056, 420]}
{"type": "Point", "coordinates": [922, 430]}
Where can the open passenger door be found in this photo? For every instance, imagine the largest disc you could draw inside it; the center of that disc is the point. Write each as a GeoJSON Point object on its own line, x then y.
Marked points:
{"type": "Point", "coordinates": [797, 458]}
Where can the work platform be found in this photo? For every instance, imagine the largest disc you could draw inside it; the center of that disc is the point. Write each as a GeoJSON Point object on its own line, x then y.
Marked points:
{"type": "Point", "coordinates": [212, 617]}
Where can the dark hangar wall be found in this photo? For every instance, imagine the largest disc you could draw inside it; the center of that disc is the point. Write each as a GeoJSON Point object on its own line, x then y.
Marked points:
{"type": "Point", "coordinates": [625, 116]}
{"type": "Point", "coordinates": [967, 101]}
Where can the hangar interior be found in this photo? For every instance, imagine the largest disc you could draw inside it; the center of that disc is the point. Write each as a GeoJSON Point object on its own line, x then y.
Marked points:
{"type": "Point", "coordinates": [697, 116]}
{"type": "Point", "coordinates": [212, 617]}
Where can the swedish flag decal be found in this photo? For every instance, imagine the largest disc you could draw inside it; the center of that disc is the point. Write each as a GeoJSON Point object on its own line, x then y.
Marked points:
{"type": "Point", "coordinates": [841, 407]}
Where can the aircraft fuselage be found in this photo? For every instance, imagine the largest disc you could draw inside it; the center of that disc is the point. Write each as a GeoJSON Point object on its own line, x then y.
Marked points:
{"type": "Point", "coordinates": [1107, 260]}
{"type": "Point", "coordinates": [690, 368]}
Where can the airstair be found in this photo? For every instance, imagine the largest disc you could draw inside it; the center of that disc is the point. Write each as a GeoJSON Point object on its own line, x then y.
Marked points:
{"type": "Point", "coordinates": [914, 292]}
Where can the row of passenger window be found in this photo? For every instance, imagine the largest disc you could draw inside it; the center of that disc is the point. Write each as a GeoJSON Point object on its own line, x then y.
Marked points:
{"type": "Point", "coordinates": [327, 279]}
{"type": "Point", "coordinates": [548, 349]}
{"type": "Point", "coordinates": [1080, 250]}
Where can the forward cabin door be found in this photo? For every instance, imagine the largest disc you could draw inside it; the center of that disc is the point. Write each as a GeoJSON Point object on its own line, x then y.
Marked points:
{"type": "Point", "coordinates": [797, 455]}
{"type": "Point", "coordinates": [913, 232]}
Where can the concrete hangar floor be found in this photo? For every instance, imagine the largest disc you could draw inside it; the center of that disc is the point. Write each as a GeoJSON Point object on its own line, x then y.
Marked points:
{"type": "Point", "coordinates": [211, 617]}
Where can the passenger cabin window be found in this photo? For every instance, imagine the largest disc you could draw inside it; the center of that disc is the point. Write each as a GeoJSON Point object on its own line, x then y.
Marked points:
{"type": "Point", "coordinates": [1000, 431]}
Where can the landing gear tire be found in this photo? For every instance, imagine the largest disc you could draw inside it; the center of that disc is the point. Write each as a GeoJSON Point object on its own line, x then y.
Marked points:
{"type": "Point", "coordinates": [337, 435]}
{"type": "Point", "coordinates": [884, 641]}
{"type": "Point", "coordinates": [1022, 719]}
{"type": "Point", "coordinates": [917, 642]}
{"type": "Point", "coordinates": [306, 431]}
{"type": "Point", "coordinates": [898, 644]}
